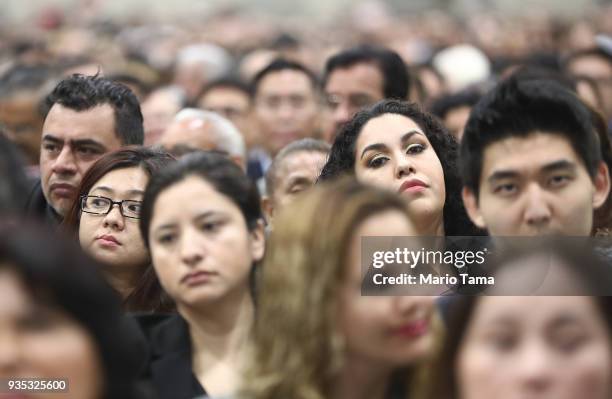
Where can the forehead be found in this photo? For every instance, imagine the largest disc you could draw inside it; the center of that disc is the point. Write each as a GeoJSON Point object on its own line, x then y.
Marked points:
{"type": "Point", "coordinates": [301, 162]}
{"type": "Point", "coordinates": [97, 123]}
{"type": "Point", "coordinates": [188, 193]}
{"type": "Point", "coordinates": [533, 308]}
{"type": "Point", "coordinates": [284, 81]}
{"type": "Point", "coordinates": [225, 95]}
{"type": "Point", "coordinates": [386, 129]}
{"type": "Point", "coordinates": [361, 78]}
{"type": "Point", "coordinates": [132, 178]}
{"type": "Point", "coordinates": [527, 153]}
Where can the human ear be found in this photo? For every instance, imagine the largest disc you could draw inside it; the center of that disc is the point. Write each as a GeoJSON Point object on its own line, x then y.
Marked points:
{"type": "Point", "coordinates": [258, 241]}
{"type": "Point", "coordinates": [471, 206]}
{"type": "Point", "coordinates": [602, 185]}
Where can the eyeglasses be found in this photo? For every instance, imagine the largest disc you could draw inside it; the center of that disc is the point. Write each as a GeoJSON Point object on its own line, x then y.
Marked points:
{"type": "Point", "coordinates": [102, 206]}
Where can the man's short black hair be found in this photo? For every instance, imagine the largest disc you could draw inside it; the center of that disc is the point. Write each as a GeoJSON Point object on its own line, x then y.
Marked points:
{"type": "Point", "coordinates": [518, 108]}
{"type": "Point", "coordinates": [281, 64]}
{"type": "Point", "coordinates": [232, 82]}
{"type": "Point", "coordinates": [443, 105]}
{"type": "Point", "coordinates": [396, 80]}
{"type": "Point", "coordinates": [81, 93]}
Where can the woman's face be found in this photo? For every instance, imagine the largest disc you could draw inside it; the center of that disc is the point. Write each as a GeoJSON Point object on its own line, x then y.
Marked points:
{"type": "Point", "coordinates": [385, 331]}
{"type": "Point", "coordinates": [38, 341]}
{"type": "Point", "coordinates": [201, 247]}
{"type": "Point", "coordinates": [114, 239]}
{"type": "Point", "coordinates": [535, 347]}
{"type": "Point", "coordinates": [392, 152]}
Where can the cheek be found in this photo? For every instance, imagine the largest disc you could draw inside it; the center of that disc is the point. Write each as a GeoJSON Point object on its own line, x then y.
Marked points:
{"type": "Point", "coordinates": [86, 230]}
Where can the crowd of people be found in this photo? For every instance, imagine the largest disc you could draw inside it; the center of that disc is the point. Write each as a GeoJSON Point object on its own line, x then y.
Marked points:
{"type": "Point", "coordinates": [184, 209]}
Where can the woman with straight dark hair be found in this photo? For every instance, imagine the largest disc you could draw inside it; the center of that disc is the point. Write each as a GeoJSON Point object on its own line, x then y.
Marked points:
{"type": "Point", "coordinates": [201, 220]}
{"type": "Point", "coordinates": [396, 146]}
{"type": "Point", "coordinates": [61, 323]}
{"type": "Point", "coordinates": [105, 217]}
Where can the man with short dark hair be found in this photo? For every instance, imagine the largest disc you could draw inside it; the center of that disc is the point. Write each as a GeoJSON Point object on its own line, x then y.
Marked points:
{"type": "Point", "coordinates": [286, 104]}
{"type": "Point", "coordinates": [361, 76]}
{"type": "Point", "coordinates": [86, 117]}
{"type": "Point", "coordinates": [295, 168]}
{"type": "Point", "coordinates": [531, 161]}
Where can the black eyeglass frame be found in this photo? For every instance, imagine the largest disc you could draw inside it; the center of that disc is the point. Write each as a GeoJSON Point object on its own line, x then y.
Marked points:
{"type": "Point", "coordinates": [83, 198]}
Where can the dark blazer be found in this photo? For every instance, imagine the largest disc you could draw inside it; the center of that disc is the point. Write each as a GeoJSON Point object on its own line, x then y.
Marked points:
{"type": "Point", "coordinates": [170, 363]}
{"type": "Point", "coordinates": [37, 208]}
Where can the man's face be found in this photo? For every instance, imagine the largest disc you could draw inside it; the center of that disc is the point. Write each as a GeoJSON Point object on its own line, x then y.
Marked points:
{"type": "Point", "coordinates": [286, 108]}
{"type": "Point", "coordinates": [536, 185]}
{"type": "Point", "coordinates": [350, 89]}
{"type": "Point", "coordinates": [233, 104]}
{"type": "Point", "coordinates": [296, 173]}
{"type": "Point", "coordinates": [71, 142]}
{"type": "Point", "coordinates": [23, 122]}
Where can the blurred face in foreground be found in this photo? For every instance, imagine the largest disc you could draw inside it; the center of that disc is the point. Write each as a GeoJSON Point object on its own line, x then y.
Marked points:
{"type": "Point", "coordinates": [383, 331]}
{"type": "Point", "coordinates": [537, 348]}
{"type": "Point", "coordinates": [40, 341]}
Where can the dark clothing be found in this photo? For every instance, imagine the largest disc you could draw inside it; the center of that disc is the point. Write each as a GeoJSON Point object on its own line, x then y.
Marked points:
{"type": "Point", "coordinates": [170, 362]}
{"type": "Point", "coordinates": [37, 208]}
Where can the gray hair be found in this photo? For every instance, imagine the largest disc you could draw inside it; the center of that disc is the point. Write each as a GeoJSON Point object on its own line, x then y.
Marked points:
{"type": "Point", "coordinates": [225, 134]}
{"type": "Point", "coordinates": [302, 145]}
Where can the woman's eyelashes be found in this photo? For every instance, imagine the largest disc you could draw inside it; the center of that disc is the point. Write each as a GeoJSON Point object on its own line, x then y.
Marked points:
{"type": "Point", "coordinates": [379, 159]}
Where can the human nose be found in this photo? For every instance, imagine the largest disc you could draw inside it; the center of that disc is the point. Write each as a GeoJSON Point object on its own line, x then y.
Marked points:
{"type": "Point", "coordinates": [342, 113]}
{"type": "Point", "coordinates": [537, 208]}
{"type": "Point", "coordinates": [65, 163]}
{"type": "Point", "coordinates": [191, 249]}
{"type": "Point", "coordinates": [535, 368]}
{"type": "Point", "coordinates": [114, 218]}
{"type": "Point", "coordinates": [410, 305]}
{"type": "Point", "coordinates": [404, 166]}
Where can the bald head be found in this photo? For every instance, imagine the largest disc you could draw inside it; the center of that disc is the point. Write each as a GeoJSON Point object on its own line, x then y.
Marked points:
{"type": "Point", "coordinates": [204, 130]}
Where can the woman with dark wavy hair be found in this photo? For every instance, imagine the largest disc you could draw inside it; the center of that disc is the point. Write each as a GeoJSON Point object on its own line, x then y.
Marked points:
{"type": "Point", "coordinates": [395, 145]}
{"type": "Point", "coordinates": [105, 217]}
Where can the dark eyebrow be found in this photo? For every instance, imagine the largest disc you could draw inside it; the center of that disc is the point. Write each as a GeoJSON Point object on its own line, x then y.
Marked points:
{"type": "Point", "coordinates": [382, 147]}
{"type": "Point", "coordinates": [558, 165]}
{"type": "Point", "coordinates": [502, 174]}
{"type": "Point", "coordinates": [54, 139]}
{"type": "Point", "coordinates": [408, 135]}
{"type": "Point", "coordinates": [87, 142]}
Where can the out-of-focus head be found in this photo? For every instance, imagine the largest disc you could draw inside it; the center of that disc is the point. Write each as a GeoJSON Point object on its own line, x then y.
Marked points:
{"type": "Point", "coordinates": [294, 169]}
{"type": "Point", "coordinates": [13, 181]}
{"type": "Point", "coordinates": [158, 110]}
{"type": "Point", "coordinates": [395, 145]}
{"type": "Point", "coordinates": [462, 66]}
{"type": "Point", "coordinates": [203, 251]}
{"type": "Point", "coordinates": [21, 90]}
{"type": "Point", "coordinates": [596, 64]}
{"type": "Point", "coordinates": [286, 104]}
{"type": "Point", "coordinates": [231, 98]}
{"type": "Point", "coordinates": [454, 110]}
{"type": "Point", "coordinates": [206, 131]}
{"type": "Point", "coordinates": [511, 346]}
{"type": "Point", "coordinates": [87, 117]}
{"type": "Point", "coordinates": [198, 64]}
{"type": "Point", "coordinates": [318, 302]}
{"type": "Point", "coordinates": [56, 306]}
{"type": "Point", "coordinates": [360, 76]}
{"type": "Point", "coordinates": [531, 161]}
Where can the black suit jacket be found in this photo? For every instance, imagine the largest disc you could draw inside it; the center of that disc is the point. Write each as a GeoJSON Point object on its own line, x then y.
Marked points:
{"type": "Point", "coordinates": [170, 362]}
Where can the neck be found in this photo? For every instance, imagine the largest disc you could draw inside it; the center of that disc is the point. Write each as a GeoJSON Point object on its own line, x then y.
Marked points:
{"type": "Point", "coordinates": [220, 330]}
{"type": "Point", "coordinates": [122, 279]}
{"type": "Point", "coordinates": [361, 379]}
{"type": "Point", "coordinates": [431, 226]}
